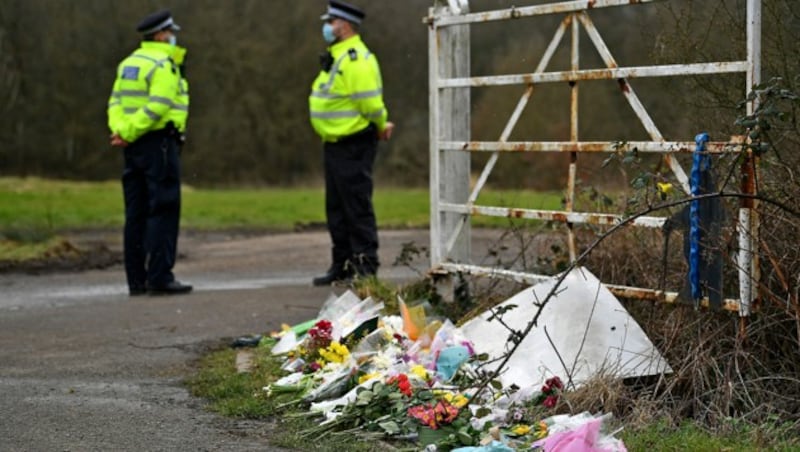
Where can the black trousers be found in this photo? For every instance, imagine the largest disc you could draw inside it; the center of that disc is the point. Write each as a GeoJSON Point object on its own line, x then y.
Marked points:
{"type": "Point", "coordinates": [152, 188]}
{"type": "Point", "coordinates": [348, 200]}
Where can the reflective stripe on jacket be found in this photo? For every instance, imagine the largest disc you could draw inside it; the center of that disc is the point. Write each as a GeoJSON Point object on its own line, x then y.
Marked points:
{"type": "Point", "coordinates": [179, 115]}
{"type": "Point", "coordinates": [145, 91]}
{"type": "Point", "coordinates": [346, 99]}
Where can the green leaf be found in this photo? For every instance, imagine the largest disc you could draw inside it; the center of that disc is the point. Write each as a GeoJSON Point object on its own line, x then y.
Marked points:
{"type": "Point", "coordinates": [390, 427]}
{"type": "Point", "coordinates": [364, 398]}
{"type": "Point", "coordinates": [425, 395]}
{"type": "Point", "coordinates": [496, 384]}
{"type": "Point", "coordinates": [464, 438]}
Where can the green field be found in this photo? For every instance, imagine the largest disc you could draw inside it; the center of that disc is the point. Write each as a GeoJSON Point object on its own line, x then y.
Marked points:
{"type": "Point", "coordinates": [35, 207]}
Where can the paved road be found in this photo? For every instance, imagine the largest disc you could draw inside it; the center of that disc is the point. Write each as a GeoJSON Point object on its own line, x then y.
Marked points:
{"type": "Point", "coordinates": [83, 367]}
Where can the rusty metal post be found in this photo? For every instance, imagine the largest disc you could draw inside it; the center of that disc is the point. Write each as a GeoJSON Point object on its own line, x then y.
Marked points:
{"type": "Point", "coordinates": [449, 57]}
{"type": "Point", "coordinates": [573, 137]}
{"type": "Point", "coordinates": [748, 218]}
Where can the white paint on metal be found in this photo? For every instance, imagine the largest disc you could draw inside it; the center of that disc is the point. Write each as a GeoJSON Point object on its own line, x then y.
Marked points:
{"type": "Point", "coordinates": [608, 219]}
{"type": "Point", "coordinates": [537, 10]}
{"type": "Point", "coordinates": [433, 130]}
{"type": "Point", "coordinates": [664, 70]}
{"type": "Point", "coordinates": [633, 99]}
{"type": "Point", "coordinates": [748, 216]}
{"type": "Point", "coordinates": [442, 52]}
{"type": "Point", "coordinates": [686, 147]}
{"type": "Point", "coordinates": [512, 122]}
{"type": "Point", "coordinates": [745, 262]}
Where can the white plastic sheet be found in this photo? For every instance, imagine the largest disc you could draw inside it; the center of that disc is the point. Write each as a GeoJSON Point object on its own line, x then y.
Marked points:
{"type": "Point", "coordinates": [587, 325]}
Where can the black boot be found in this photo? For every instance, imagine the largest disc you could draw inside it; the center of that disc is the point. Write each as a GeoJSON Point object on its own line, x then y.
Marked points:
{"type": "Point", "coordinates": [337, 272]}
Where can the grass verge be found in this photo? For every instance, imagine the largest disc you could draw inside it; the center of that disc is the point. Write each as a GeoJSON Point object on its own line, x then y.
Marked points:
{"type": "Point", "coordinates": [33, 211]}
{"type": "Point", "coordinates": [647, 426]}
{"type": "Point", "coordinates": [51, 205]}
{"type": "Point", "coordinates": [241, 395]}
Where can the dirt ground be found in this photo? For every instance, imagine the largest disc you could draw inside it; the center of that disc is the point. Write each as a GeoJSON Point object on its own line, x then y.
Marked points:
{"type": "Point", "coordinates": [85, 367]}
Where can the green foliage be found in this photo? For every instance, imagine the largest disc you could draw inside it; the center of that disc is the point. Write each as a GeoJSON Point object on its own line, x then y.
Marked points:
{"type": "Point", "coordinates": [241, 395]}
{"type": "Point", "coordinates": [249, 121]}
{"type": "Point", "coordinates": [37, 208]}
{"type": "Point", "coordinates": [24, 247]}
{"type": "Point", "coordinates": [231, 393]}
{"type": "Point", "coordinates": [689, 436]}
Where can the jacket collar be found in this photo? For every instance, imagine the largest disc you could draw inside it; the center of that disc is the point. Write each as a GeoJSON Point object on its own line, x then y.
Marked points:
{"type": "Point", "coordinates": [165, 47]}
{"type": "Point", "coordinates": [342, 46]}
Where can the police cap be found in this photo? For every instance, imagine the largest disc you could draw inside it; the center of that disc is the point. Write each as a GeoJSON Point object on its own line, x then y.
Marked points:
{"type": "Point", "coordinates": [158, 21]}
{"type": "Point", "coordinates": [344, 11]}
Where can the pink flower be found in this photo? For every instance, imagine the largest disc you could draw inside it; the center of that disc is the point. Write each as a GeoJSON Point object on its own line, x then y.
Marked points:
{"type": "Point", "coordinates": [550, 401]}
{"type": "Point", "coordinates": [424, 414]}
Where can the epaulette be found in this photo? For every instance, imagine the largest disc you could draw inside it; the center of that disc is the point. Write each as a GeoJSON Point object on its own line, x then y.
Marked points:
{"type": "Point", "coordinates": [353, 54]}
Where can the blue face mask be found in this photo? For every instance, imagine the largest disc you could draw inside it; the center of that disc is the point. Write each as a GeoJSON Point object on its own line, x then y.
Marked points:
{"type": "Point", "coordinates": [173, 40]}
{"type": "Point", "coordinates": [327, 33]}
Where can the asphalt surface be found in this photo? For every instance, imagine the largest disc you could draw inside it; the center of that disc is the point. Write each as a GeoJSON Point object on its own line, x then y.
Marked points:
{"type": "Point", "coordinates": [85, 367]}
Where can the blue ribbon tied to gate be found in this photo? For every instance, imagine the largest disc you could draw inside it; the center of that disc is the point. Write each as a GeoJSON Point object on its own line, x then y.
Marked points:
{"type": "Point", "coordinates": [700, 163]}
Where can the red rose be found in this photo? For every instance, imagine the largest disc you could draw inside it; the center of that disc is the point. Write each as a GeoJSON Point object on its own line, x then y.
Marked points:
{"type": "Point", "coordinates": [555, 382]}
{"type": "Point", "coordinates": [550, 401]}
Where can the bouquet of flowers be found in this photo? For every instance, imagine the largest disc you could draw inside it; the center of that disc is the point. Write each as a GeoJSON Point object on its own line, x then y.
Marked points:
{"type": "Point", "coordinates": [550, 391]}
{"type": "Point", "coordinates": [434, 415]}
{"type": "Point", "coordinates": [443, 421]}
{"type": "Point", "coordinates": [318, 339]}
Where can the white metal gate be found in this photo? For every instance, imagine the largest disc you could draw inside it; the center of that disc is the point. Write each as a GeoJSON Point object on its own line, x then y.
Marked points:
{"type": "Point", "coordinates": [452, 198]}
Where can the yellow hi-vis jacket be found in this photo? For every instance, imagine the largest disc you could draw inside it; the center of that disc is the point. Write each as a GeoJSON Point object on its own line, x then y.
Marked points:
{"type": "Point", "coordinates": [348, 97]}
{"type": "Point", "coordinates": [146, 89]}
{"type": "Point", "coordinates": [180, 114]}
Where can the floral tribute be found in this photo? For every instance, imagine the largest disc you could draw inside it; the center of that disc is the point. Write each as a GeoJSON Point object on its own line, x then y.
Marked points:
{"type": "Point", "coordinates": [335, 353]}
{"type": "Point", "coordinates": [403, 385]}
{"type": "Point", "coordinates": [434, 415]}
{"type": "Point", "coordinates": [383, 384]}
{"type": "Point", "coordinates": [312, 350]}
{"type": "Point", "coordinates": [550, 390]}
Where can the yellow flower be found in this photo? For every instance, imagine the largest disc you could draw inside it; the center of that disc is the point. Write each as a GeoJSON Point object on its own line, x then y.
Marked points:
{"type": "Point", "coordinates": [521, 429]}
{"type": "Point", "coordinates": [335, 353]}
{"type": "Point", "coordinates": [459, 400]}
{"type": "Point", "coordinates": [664, 188]}
{"type": "Point", "coordinates": [420, 371]}
{"type": "Point", "coordinates": [340, 349]}
{"type": "Point", "coordinates": [367, 377]}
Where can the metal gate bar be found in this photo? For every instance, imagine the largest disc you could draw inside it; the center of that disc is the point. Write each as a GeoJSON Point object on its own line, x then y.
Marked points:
{"type": "Point", "coordinates": [449, 218]}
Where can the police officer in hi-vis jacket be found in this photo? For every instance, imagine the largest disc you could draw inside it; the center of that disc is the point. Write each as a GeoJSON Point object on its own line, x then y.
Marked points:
{"type": "Point", "coordinates": [147, 114]}
{"type": "Point", "coordinates": [347, 112]}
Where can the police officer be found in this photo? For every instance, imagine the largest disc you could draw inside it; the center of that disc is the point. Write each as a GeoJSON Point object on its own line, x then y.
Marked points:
{"type": "Point", "coordinates": [147, 112]}
{"type": "Point", "coordinates": [347, 112]}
